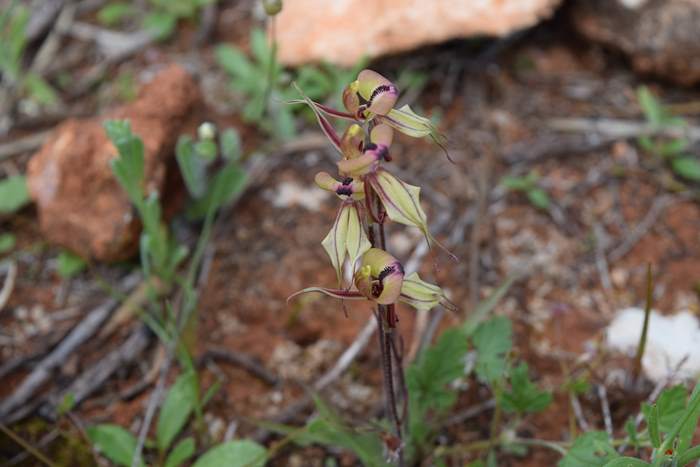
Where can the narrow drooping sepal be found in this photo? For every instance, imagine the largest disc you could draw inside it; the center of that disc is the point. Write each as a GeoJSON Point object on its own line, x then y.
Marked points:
{"type": "Point", "coordinates": [323, 122]}
{"type": "Point", "coordinates": [335, 293]}
{"type": "Point", "coordinates": [422, 295]}
{"type": "Point", "coordinates": [346, 238]}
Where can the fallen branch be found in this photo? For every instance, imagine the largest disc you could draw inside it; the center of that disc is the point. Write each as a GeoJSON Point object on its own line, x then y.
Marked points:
{"type": "Point", "coordinates": [83, 331]}
{"type": "Point", "coordinates": [94, 377]}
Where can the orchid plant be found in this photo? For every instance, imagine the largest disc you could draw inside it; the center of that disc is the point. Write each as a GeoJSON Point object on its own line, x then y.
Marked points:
{"type": "Point", "coordinates": [369, 195]}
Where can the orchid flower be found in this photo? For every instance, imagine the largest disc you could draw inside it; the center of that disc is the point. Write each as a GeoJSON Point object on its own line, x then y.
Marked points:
{"type": "Point", "coordinates": [372, 97]}
{"type": "Point", "coordinates": [380, 279]}
{"type": "Point", "coordinates": [347, 237]}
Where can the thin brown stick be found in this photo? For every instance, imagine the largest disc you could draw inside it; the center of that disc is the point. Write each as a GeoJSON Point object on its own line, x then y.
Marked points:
{"type": "Point", "coordinates": [243, 360]}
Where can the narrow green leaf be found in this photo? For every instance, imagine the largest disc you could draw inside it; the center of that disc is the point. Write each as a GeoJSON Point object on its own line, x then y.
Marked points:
{"type": "Point", "coordinates": [539, 198]}
{"type": "Point", "coordinates": [180, 453]}
{"type": "Point", "coordinates": [117, 444]}
{"type": "Point", "coordinates": [230, 143]}
{"type": "Point", "coordinates": [651, 413]}
{"type": "Point", "coordinates": [487, 305]}
{"type": "Point", "coordinates": [161, 24]}
{"type": "Point", "coordinates": [243, 453]}
{"type": "Point", "coordinates": [687, 167]}
{"type": "Point", "coordinates": [177, 407]}
{"type": "Point", "coordinates": [115, 12]}
{"type": "Point", "coordinates": [192, 170]}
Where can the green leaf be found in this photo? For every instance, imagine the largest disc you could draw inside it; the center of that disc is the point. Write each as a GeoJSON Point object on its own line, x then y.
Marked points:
{"type": "Point", "coordinates": [689, 456]}
{"type": "Point", "coordinates": [235, 63]}
{"type": "Point", "coordinates": [259, 47]}
{"type": "Point", "coordinates": [673, 148]}
{"type": "Point", "coordinates": [687, 167]}
{"type": "Point", "coordinates": [626, 462]}
{"type": "Point", "coordinates": [69, 264]}
{"type": "Point", "coordinates": [428, 379]}
{"type": "Point", "coordinates": [516, 183]}
{"type": "Point", "coordinates": [7, 242]}
{"type": "Point", "coordinates": [177, 407]}
{"type": "Point", "coordinates": [330, 429]}
{"type": "Point", "coordinates": [539, 198]}
{"type": "Point", "coordinates": [14, 194]}
{"type": "Point", "coordinates": [524, 395]}
{"type": "Point", "coordinates": [191, 167]}
{"type": "Point", "coordinates": [651, 106]}
{"type": "Point", "coordinates": [243, 453]}
{"type": "Point", "coordinates": [161, 24]}
{"type": "Point", "coordinates": [671, 406]}
{"type": "Point", "coordinates": [631, 429]}
{"type": "Point", "coordinates": [180, 453]}
{"type": "Point", "coordinates": [230, 143]}
{"type": "Point", "coordinates": [228, 183]}
{"type": "Point", "coordinates": [651, 414]}
{"type": "Point", "coordinates": [591, 449]}
{"type": "Point", "coordinates": [114, 442]}
{"type": "Point", "coordinates": [206, 150]}
{"type": "Point", "coordinates": [492, 340]}
{"type": "Point", "coordinates": [128, 167]}
{"type": "Point", "coordinates": [39, 90]}
{"type": "Point", "coordinates": [114, 13]}
{"type": "Point", "coordinates": [66, 404]}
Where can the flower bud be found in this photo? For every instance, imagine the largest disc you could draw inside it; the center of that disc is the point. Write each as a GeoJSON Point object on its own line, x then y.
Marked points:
{"type": "Point", "coordinates": [380, 277]}
{"type": "Point", "coordinates": [272, 7]}
{"type": "Point", "coordinates": [206, 131]}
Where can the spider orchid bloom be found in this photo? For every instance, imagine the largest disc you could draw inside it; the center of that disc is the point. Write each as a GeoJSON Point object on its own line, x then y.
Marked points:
{"type": "Point", "coordinates": [401, 201]}
{"type": "Point", "coordinates": [380, 279]}
{"type": "Point", "coordinates": [370, 94]}
{"type": "Point", "coordinates": [372, 154]}
{"type": "Point", "coordinates": [347, 237]}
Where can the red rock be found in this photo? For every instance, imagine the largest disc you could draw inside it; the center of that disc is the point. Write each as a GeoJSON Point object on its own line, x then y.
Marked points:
{"type": "Point", "coordinates": [80, 204]}
{"type": "Point", "coordinates": [659, 36]}
{"type": "Point", "coordinates": [343, 31]}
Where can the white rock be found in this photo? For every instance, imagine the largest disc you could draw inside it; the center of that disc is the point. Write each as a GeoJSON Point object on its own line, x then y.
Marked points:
{"type": "Point", "coordinates": [670, 340]}
{"type": "Point", "coordinates": [343, 31]}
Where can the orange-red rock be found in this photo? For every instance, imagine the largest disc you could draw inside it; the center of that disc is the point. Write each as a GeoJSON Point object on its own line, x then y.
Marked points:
{"type": "Point", "coordinates": [343, 31]}
{"type": "Point", "coordinates": [80, 204]}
